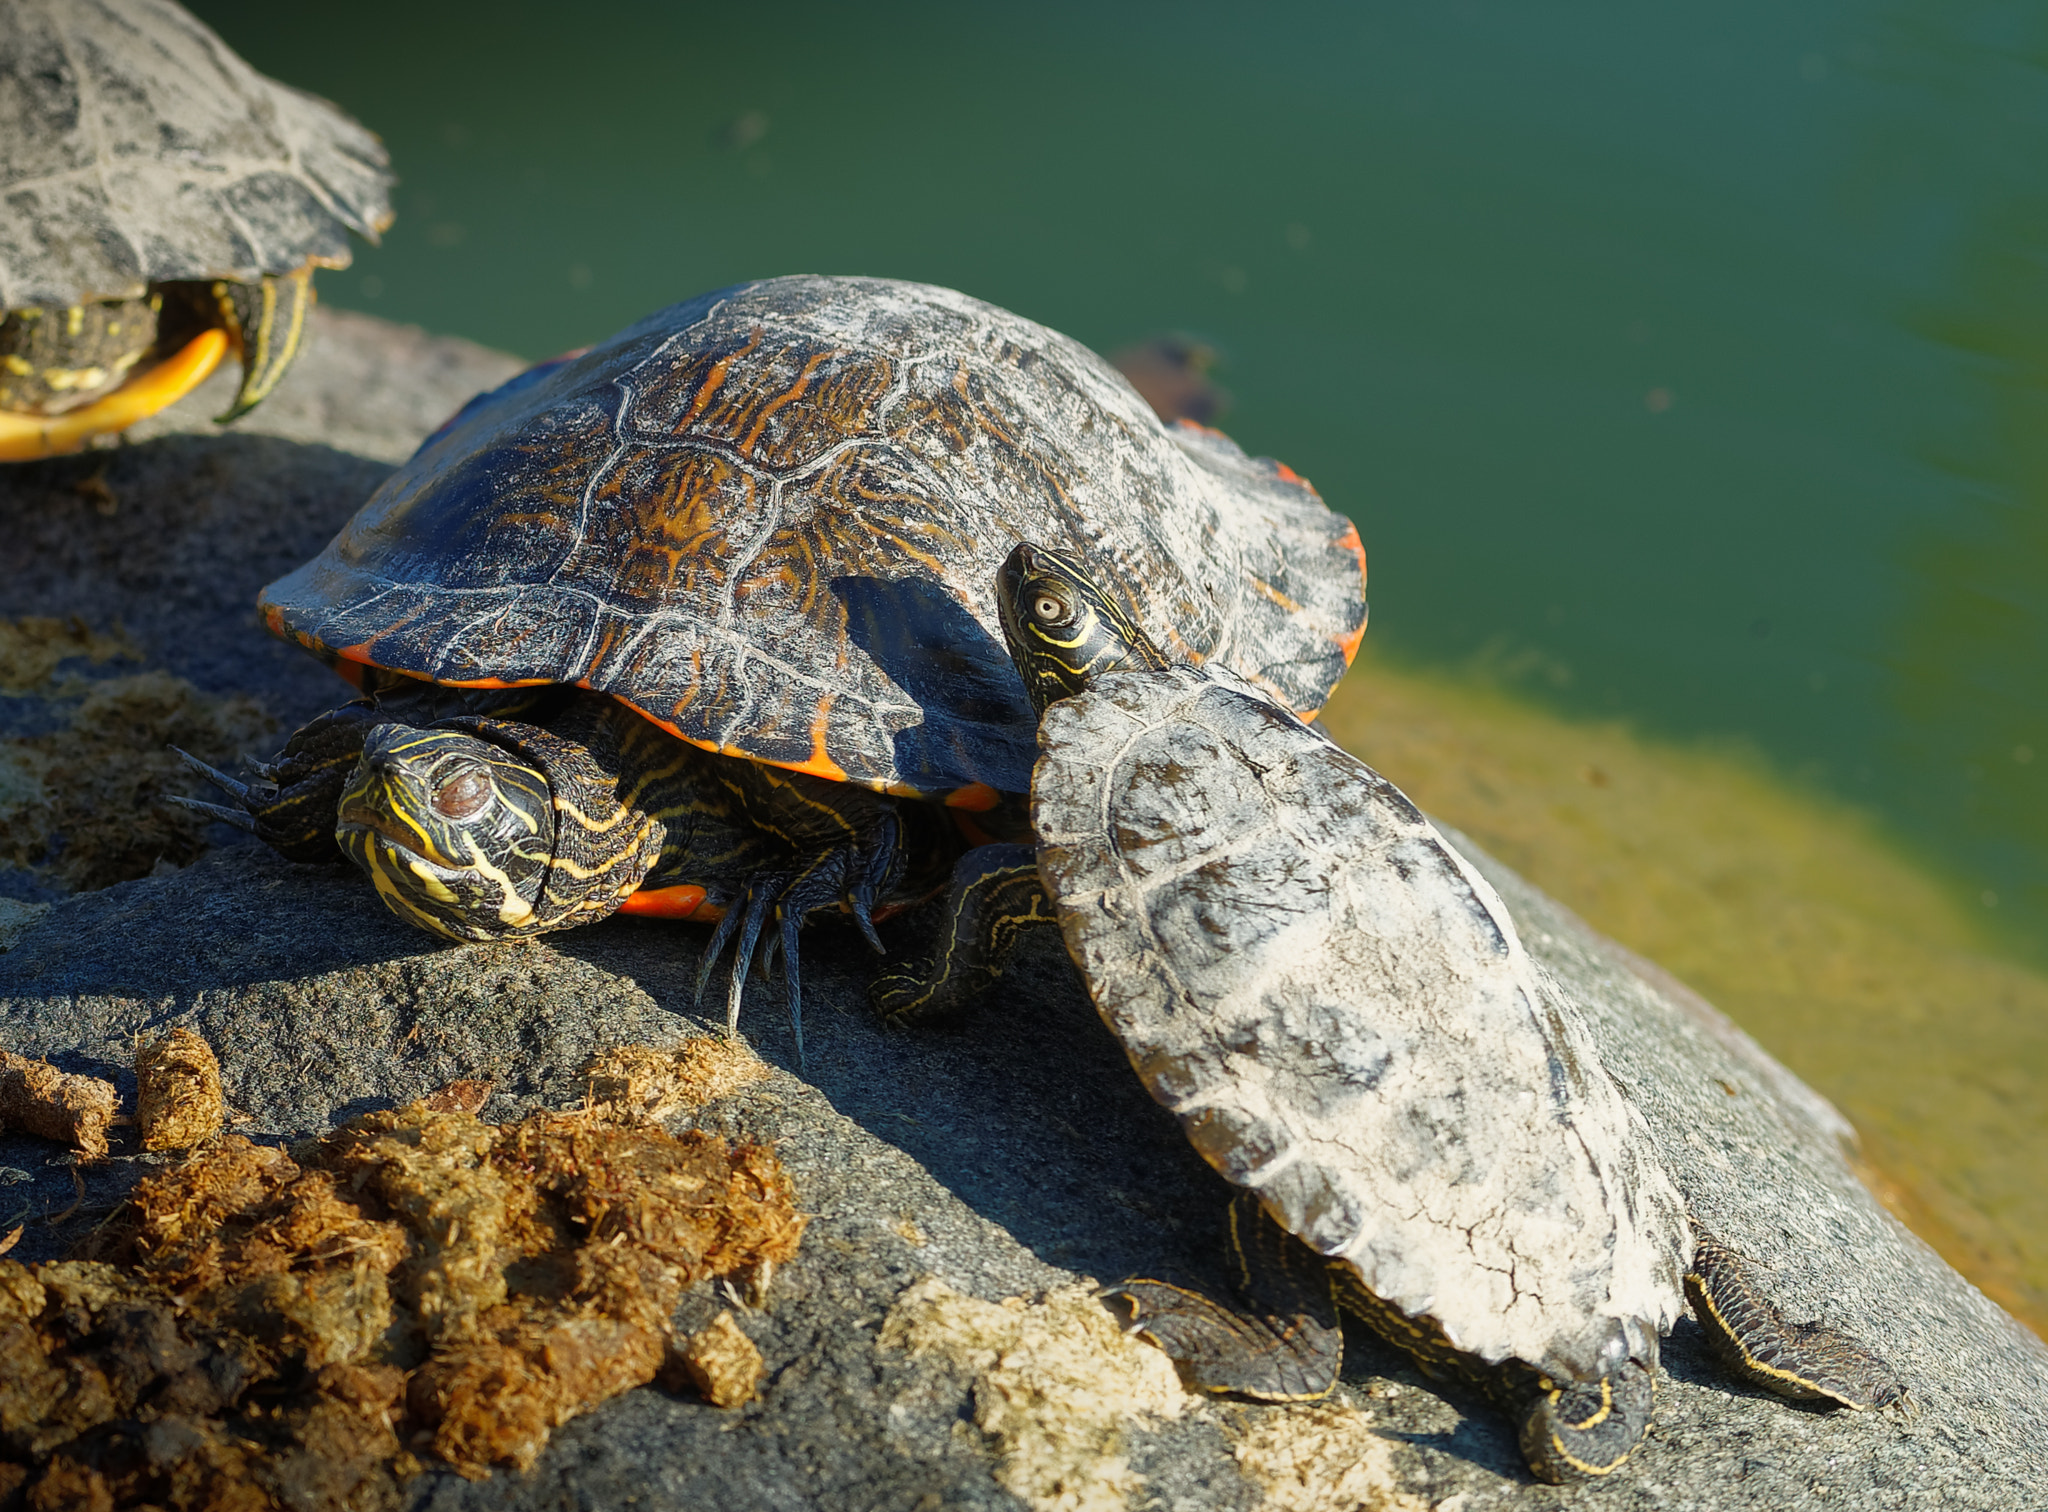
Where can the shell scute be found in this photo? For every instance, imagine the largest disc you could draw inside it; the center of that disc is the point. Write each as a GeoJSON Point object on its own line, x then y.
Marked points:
{"type": "Point", "coordinates": [778, 405]}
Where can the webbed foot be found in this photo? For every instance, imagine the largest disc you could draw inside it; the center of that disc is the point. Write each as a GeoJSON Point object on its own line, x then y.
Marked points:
{"type": "Point", "coordinates": [1284, 1344]}
{"type": "Point", "coordinates": [853, 874]}
{"type": "Point", "coordinates": [291, 805]}
{"type": "Point", "coordinates": [1807, 1362]}
{"type": "Point", "coordinates": [1221, 1349]}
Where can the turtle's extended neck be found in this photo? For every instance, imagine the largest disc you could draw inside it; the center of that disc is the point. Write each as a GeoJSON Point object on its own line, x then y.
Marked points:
{"type": "Point", "coordinates": [1062, 628]}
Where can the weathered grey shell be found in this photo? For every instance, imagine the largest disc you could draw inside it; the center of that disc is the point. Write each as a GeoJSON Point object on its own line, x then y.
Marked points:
{"type": "Point", "coordinates": [135, 147]}
{"type": "Point", "coordinates": [768, 518]}
{"type": "Point", "coordinates": [1338, 1008]}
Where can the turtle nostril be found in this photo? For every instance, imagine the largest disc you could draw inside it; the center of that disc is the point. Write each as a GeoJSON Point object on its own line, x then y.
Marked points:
{"type": "Point", "coordinates": [463, 796]}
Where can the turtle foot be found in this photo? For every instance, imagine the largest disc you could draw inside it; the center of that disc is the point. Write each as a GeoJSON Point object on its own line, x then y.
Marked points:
{"type": "Point", "coordinates": [1581, 1430]}
{"type": "Point", "coordinates": [1806, 1362]}
{"type": "Point", "coordinates": [1220, 1349]}
{"type": "Point", "coordinates": [239, 816]}
{"type": "Point", "coordinates": [291, 806]}
{"type": "Point", "coordinates": [996, 897]}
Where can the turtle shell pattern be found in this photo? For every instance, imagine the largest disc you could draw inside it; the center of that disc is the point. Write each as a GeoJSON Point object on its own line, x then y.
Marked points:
{"type": "Point", "coordinates": [767, 520]}
{"type": "Point", "coordinates": [136, 148]}
{"type": "Point", "coordinates": [1339, 1010]}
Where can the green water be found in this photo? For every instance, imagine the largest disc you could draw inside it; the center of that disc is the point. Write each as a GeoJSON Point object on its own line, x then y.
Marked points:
{"type": "Point", "coordinates": [1687, 363]}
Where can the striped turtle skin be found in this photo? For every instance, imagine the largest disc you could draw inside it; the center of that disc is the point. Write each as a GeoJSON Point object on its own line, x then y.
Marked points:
{"type": "Point", "coordinates": [166, 207]}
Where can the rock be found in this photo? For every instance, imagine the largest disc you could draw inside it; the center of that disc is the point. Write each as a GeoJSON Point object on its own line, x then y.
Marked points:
{"type": "Point", "coordinates": [935, 1340]}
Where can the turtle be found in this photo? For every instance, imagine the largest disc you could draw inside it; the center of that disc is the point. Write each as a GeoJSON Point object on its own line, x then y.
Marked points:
{"type": "Point", "coordinates": [1411, 1114]}
{"type": "Point", "coordinates": [166, 204]}
{"type": "Point", "coordinates": [694, 625]}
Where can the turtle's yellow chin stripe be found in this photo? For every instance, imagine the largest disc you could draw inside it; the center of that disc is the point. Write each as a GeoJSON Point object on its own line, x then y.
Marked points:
{"type": "Point", "coordinates": [472, 901]}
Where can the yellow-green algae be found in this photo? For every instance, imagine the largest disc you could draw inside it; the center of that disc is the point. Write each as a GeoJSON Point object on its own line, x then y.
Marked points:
{"type": "Point", "coordinates": [1789, 911]}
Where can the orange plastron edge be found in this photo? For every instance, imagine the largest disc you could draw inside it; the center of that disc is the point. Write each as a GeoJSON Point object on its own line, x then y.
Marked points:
{"type": "Point", "coordinates": [25, 438]}
{"type": "Point", "coordinates": [671, 903]}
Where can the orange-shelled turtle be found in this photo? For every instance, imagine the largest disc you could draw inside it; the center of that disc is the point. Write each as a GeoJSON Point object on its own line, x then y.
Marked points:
{"type": "Point", "coordinates": [697, 622]}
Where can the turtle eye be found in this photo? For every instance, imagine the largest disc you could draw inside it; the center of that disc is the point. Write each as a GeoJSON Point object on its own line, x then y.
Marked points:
{"type": "Point", "coordinates": [461, 797]}
{"type": "Point", "coordinates": [1048, 608]}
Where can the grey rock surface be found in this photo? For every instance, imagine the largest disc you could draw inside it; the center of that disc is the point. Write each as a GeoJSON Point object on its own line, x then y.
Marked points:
{"type": "Point", "coordinates": [934, 1344]}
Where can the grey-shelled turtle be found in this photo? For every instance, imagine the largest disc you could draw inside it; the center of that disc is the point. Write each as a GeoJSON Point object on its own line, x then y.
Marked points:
{"type": "Point", "coordinates": [1338, 1008]}
{"type": "Point", "coordinates": [684, 625]}
{"type": "Point", "coordinates": [165, 205]}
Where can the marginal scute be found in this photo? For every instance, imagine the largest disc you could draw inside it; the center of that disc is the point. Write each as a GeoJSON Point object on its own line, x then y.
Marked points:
{"type": "Point", "coordinates": [767, 518]}
{"type": "Point", "coordinates": [1336, 1005]}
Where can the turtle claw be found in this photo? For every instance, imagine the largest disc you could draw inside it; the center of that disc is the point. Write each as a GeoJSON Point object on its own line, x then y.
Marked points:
{"type": "Point", "coordinates": [712, 952]}
{"type": "Point", "coordinates": [791, 922]}
{"type": "Point", "coordinates": [760, 903]}
{"type": "Point", "coordinates": [862, 901]}
{"type": "Point", "coordinates": [878, 868]}
{"type": "Point", "coordinates": [239, 815]}
{"type": "Point", "coordinates": [239, 791]}
{"type": "Point", "coordinates": [239, 818]}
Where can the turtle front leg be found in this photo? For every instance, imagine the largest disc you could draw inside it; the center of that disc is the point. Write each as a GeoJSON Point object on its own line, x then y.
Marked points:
{"type": "Point", "coordinates": [269, 321]}
{"type": "Point", "coordinates": [291, 806]}
{"type": "Point", "coordinates": [265, 321]}
{"type": "Point", "coordinates": [996, 899]}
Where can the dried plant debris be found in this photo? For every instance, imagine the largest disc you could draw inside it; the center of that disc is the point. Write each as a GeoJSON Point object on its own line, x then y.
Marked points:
{"type": "Point", "coordinates": [1056, 1386]}
{"type": "Point", "coordinates": [36, 1098]}
{"type": "Point", "coordinates": [177, 1099]}
{"type": "Point", "coordinates": [466, 1094]}
{"type": "Point", "coordinates": [639, 1081]}
{"type": "Point", "coordinates": [722, 1362]}
{"type": "Point", "coordinates": [82, 799]}
{"type": "Point", "coordinates": [31, 649]}
{"type": "Point", "coordinates": [1319, 1457]}
{"type": "Point", "coordinates": [255, 1330]}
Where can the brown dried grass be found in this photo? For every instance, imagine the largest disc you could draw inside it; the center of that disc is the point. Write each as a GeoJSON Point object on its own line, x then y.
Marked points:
{"type": "Point", "coordinates": [417, 1285]}
{"type": "Point", "coordinates": [178, 1099]}
{"type": "Point", "coordinates": [38, 1099]}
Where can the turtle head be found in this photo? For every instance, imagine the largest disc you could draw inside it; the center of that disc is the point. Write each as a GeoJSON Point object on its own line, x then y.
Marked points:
{"type": "Point", "coordinates": [457, 833]}
{"type": "Point", "coordinates": [1062, 628]}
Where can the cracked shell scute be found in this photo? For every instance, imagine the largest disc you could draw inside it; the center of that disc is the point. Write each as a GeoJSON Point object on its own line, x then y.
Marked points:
{"type": "Point", "coordinates": [768, 519]}
{"type": "Point", "coordinates": [1337, 1007]}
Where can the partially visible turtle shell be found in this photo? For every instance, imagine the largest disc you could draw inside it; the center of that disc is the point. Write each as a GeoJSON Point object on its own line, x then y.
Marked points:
{"type": "Point", "coordinates": [136, 148]}
{"type": "Point", "coordinates": [1339, 1010]}
{"type": "Point", "coordinates": [767, 519]}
